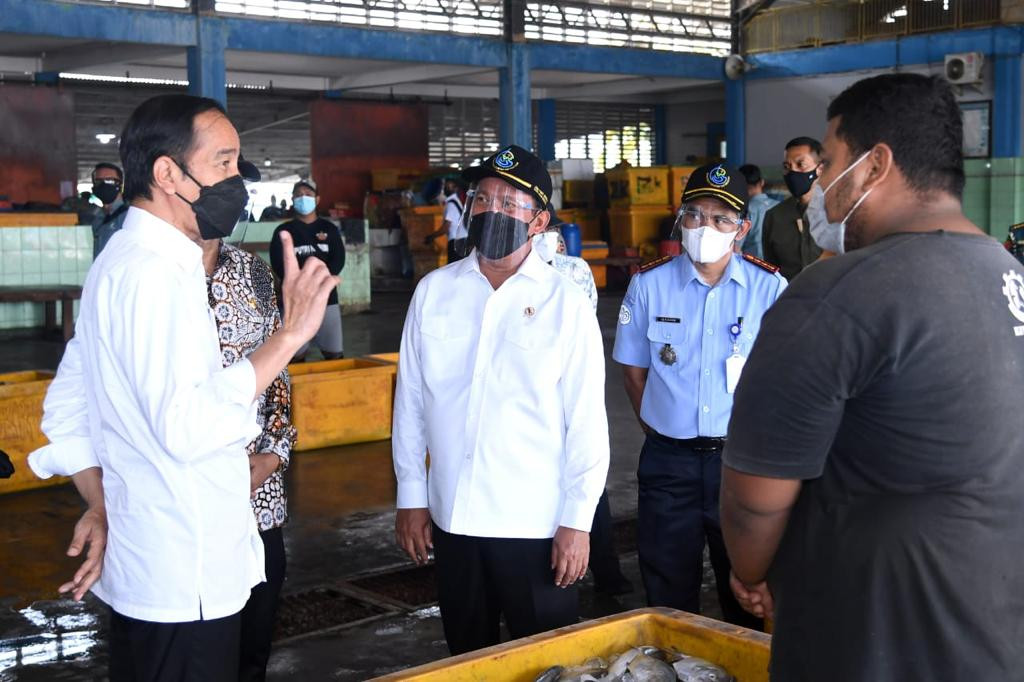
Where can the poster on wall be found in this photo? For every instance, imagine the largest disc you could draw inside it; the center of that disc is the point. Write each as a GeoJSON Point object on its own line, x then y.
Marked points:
{"type": "Point", "coordinates": [977, 117]}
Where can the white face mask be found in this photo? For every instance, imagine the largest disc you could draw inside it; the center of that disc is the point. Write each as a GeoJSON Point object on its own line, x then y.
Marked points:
{"type": "Point", "coordinates": [546, 245]}
{"type": "Point", "coordinates": [831, 236]}
{"type": "Point", "coordinates": [706, 244]}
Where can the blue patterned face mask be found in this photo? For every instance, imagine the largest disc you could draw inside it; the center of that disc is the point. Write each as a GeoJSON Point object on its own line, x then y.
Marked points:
{"type": "Point", "coordinates": [304, 205]}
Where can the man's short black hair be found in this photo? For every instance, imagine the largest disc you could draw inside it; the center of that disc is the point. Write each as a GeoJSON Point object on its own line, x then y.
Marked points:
{"type": "Point", "coordinates": [110, 166]}
{"type": "Point", "coordinates": [751, 173]}
{"type": "Point", "coordinates": [160, 126]}
{"type": "Point", "coordinates": [917, 116]}
{"type": "Point", "coordinates": [805, 142]}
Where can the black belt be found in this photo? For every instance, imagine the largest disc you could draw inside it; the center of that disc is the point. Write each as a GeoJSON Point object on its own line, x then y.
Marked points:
{"type": "Point", "coordinates": [700, 443]}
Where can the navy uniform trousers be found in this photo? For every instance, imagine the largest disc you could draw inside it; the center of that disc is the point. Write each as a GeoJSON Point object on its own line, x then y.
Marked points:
{"type": "Point", "coordinates": [677, 513]}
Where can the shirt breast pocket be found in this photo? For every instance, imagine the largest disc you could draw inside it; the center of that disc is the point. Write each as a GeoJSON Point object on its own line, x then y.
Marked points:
{"type": "Point", "coordinates": [660, 335]}
{"type": "Point", "coordinates": [444, 347]}
{"type": "Point", "coordinates": [532, 356]}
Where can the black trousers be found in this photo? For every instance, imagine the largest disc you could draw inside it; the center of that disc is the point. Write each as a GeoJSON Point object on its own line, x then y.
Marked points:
{"type": "Point", "coordinates": [604, 560]}
{"type": "Point", "coordinates": [479, 580]}
{"type": "Point", "coordinates": [677, 513]}
{"type": "Point", "coordinates": [196, 651]}
{"type": "Point", "coordinates": [257, 627]}
{"type": "Point", "coordinates": [456, 250]}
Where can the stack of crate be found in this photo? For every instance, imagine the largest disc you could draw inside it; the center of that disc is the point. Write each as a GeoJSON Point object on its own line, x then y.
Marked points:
{"type": "Point", "coordinates": [640, 205]}
{"type": "Point", "coordinates": [417, 223]}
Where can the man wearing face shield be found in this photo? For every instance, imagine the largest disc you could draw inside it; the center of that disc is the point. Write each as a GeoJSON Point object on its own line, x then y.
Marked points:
{"type": "Point", "coordinates": [786, 236]}
{"type": "Point", "coordinates": [686, 327]}
{"type": "Point", "coordinates": [148, 421]}
{"type": "Point", "coordinates": [876, 506]}
{"type": "Point", "coordinates": [501, 378]}
{"type": "Point", "coordinates": [107, 181]}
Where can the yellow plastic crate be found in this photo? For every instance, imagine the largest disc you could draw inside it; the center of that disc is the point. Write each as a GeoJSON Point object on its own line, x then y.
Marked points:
{"type": "Point", "coordinates": [578, 191]}
{"type": "Point", "coordinates": [420, 221]}
{"type": "Point", "coordinates": [637, 225]}
{"type": "Point", "coordinates": [677, 179]}
{"type": "Point", "coordinates": [337, 402]}
{"type": "Point", "coordinates": [21, 403]}
{"type": "Point", "coordinates": [638, 186]}
{"type": "Point", "coordinates": [743, 653]}
{"type": "Point", "coordinates": [588, 219]}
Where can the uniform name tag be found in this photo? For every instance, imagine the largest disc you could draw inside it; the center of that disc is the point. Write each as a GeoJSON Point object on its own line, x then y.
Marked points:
{"type": "Point", "coordinates": [733, 369]}
{"type": "Point", "coordinates": [673, 320]}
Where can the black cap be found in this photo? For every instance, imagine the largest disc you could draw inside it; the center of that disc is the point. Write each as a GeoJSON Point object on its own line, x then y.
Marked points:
{"type": "Point", "coordinates": [308, 184]}
{"type": "Point", "coordinates": [717, 181]}
{"type": "Point", "coordinates": [517, 167]}
{"type": "Point", "coordinates": [248, 170]}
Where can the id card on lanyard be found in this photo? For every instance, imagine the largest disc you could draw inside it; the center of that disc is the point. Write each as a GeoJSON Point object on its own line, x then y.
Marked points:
{"type": "Point", "coordinates": [734, 363]}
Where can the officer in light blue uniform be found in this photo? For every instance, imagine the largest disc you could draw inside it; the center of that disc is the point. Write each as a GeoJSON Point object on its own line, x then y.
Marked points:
{"type": "Point", "coordinates": [686, 326]}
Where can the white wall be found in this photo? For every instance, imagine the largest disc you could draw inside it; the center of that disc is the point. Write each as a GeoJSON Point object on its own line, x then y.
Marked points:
{"type": "Point", "coordinates": [686, 126]}
{"type": "Point", "coordinates": [777, 110]}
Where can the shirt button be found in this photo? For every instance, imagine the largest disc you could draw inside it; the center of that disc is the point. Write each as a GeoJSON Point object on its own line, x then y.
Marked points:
{"type": "Point", "coordinates": [706, 409]}
{"type": "Point", "coordinates": [707, 372]}
{"type": "Point", "coordinates": [710, 331]}
{"type": "Point", "coordinates": [470, 456]}
{"type": "Point", "coordinates": [711, 295]}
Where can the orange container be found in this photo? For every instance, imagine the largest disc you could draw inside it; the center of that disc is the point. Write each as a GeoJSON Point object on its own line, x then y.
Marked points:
{"type": "Point", "coordinates": [420, 221]}
{"type": "Point", "coordinates": [21, 403]}
{"type": "Point", "coordinates": [596, 250]}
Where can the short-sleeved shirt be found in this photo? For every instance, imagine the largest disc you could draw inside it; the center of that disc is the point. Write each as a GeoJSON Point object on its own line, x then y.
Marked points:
{"type": "Point", "coordinates": [890, 381]}
{"type": "Point", "coordinates": [786, 238]}
{"type": "Point", "coordinates": [757, 207]}
{"type": "Point", "coordinates": [453, 216]}
{"type": "Point", "coordinates": [319, 239]}
{"type": "Point", "coordinates": [669, 312]}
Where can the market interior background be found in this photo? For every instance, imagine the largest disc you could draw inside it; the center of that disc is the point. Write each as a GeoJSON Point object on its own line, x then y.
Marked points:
{"type": "Point", "coordinates": [372, 99]}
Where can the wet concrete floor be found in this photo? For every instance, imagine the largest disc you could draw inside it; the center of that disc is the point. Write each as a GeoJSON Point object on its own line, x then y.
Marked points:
{"type": "Point", "coordinates": [341, 525]}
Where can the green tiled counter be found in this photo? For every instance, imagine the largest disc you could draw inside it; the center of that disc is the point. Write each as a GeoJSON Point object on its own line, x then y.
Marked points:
{"type": "Point", "coordinates": [63, 255]}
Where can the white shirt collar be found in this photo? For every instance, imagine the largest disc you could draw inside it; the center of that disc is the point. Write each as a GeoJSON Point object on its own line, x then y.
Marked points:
{"type": "Point", "coordinates": [169, 240]}
{"type": "Point", "coordinates": [533, 267]}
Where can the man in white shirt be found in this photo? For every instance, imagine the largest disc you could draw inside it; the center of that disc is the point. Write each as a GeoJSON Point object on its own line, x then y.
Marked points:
{"type": "Point", "coordinates": [501, 378]}
{"type": "Point", "coordinates": [452, 225]}
{"type": "Point", "coordinates": [142, 395]}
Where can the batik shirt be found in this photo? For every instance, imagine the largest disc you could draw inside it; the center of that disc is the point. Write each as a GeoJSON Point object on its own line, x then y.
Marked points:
{"type": "Point", "coordinates": [245, 308]}
{"type": "Point", "coordinates": [579, 272]}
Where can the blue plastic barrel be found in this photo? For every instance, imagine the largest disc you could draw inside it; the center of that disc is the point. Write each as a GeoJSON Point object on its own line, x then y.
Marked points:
{"type": "Point", "coordinates": [573, 239]}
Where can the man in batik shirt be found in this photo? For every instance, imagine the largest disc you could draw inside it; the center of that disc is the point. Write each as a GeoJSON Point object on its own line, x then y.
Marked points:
{"type": "Point", "coordinates": [241, 289]}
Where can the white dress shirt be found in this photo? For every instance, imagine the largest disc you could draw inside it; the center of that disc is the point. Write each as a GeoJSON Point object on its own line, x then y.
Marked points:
{"type": "Point", "coordinates": [141, 392]}
{"type": "Point", "coordinates": [505, 389]}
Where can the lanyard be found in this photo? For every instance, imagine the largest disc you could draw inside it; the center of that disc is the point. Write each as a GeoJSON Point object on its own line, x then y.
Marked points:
{"type": "Point", "coordinates": [734, 331]}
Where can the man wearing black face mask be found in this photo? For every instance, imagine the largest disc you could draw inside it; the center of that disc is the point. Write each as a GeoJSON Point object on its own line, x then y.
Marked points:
{"type": "Point", "coordinates": [107, 181]}
{"type": "Point", "coordinates": [786, 234]}
{"type": "Point", "coordinates": [501, 377]}
{"type": "Point", "coordinates": [142, 395]}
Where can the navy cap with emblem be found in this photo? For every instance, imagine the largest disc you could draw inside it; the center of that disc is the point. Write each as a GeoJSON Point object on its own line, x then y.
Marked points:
{"type": "Point", "coordinates": [718, 181]}
{"type": "Point", "coordinates": [519, 168]}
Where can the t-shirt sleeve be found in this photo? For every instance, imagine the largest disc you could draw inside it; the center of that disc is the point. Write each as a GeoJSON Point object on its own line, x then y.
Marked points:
{"type": "Point", "coordinates": [452, 214]}
{"type": "Point", "coordinates": [631, 345]}
{"type": "Point", "coordinates": [809, 359]}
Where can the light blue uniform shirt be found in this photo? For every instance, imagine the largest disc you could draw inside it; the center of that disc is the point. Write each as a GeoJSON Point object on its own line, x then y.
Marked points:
{"type": "Point", "coordinates": [758, 205]}
{"type": "Point", "coordinates": [669, 304]}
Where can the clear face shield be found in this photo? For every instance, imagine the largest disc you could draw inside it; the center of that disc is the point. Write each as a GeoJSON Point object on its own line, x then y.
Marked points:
{"type": "Point", "coordinates": [707, 232]}
{"type": "Point", "coordinates": [498, 218]}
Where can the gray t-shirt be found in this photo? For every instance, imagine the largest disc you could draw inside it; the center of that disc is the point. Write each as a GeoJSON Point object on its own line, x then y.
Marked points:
{"type": "Point", "coordinates": [890, 380]}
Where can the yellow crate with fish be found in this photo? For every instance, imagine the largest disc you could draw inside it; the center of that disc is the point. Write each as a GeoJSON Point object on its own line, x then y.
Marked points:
{"type": "Point", "coordinates": [659, 644]}
{"type": "Point", "coordinates": [337, 402]}
{"type": "Point", "coordinates": [21, 403]}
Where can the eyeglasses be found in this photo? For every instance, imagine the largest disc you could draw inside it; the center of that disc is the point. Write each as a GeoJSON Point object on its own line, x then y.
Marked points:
{"type": "Point", "coordinates": [505, 204]}
{"type": "Point", "coordinates": [692, 217]}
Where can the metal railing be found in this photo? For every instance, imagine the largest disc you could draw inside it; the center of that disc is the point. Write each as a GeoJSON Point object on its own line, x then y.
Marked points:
{"type": "Point", "coordinates": [843, 21]}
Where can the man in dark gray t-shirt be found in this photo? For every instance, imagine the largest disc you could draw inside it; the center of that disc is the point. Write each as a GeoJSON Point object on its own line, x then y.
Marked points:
{"type": "Point", "coordinates": [873, 484]}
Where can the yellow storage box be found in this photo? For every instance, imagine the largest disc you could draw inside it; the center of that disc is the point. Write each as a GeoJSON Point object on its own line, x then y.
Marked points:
{"type": "Point", "coordinates": [743, 653]}
{"type": "Point", "coordinates": [337, 402]}
{"type": "Point", "coordinates": [578, 192]}
{"type": "Point", "coordinates": [638, 186]}
{"type": "Point", "coordinates": [394, 178]}
{"type": "Point", "coordinates": [418, 222]}
{"type": "Point", "coordinates": [677, 179]}
{"type": "Point", "coordinates": [588, 219]}
{"type": "Point", "coordinates": [596, 250]}
{"type": "Point", "coordinates": [21, 403]}
{"type": "Point", "coordinates": [637, 225]}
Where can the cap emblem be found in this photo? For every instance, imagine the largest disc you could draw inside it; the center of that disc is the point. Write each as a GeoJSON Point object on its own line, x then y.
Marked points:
{"type": "Point", "coordinates": [505, 161]}
{"type": "Point", "coordinates": [718, 176]}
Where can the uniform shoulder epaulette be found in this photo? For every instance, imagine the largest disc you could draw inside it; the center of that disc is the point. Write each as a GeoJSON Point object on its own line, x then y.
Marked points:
{"type": "Point", "coordinates": [655, 263]}
{"type": "Point", "coordinates": [763, 264]}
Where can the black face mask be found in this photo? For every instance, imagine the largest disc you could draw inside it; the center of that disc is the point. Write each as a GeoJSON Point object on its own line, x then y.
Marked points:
{"type": "Point", "coordinates": [106, 190]}
{"type": "Point", "coordinates": [218, 206]}
{"type": "Point", "coordinates": [798, 183]}
{"type": "Point", "coordinates": [496, 235]}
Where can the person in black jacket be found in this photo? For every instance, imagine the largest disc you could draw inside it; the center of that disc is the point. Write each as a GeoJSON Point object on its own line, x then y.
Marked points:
{"type": "Point", "coordinates": [314, 236]}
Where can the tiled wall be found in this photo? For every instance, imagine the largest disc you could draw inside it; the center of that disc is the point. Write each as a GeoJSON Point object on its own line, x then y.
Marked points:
{"type": "Point", "coordinates": [41, 255]}
{"type": "Point", "coordinates": [63, 255]}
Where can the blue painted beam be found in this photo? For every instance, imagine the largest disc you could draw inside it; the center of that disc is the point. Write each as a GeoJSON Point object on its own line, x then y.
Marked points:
{"type": "Point", "coordinates": [207, 69]}
{"type": "Point", "coordinates": [95, 22]}
{"type": "Point", "coordinates": [625, 61]}
{"type": "Point", "coordinates": [1006, 106]}
{"type": "Point", "coordinates": [515, 106]}
{"type": "Point", "coordinates": [660, 135]}
{"type": "Point", "coordinates": [735, 122]}
{"type": "Point", "coordinates": [546, 129]}
{"type": "Point", "coordinates": [881, 54]}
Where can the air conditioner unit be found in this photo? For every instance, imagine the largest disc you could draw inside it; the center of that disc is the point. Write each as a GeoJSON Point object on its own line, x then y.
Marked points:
{"type": "Point", "coordinates": [964, 68]}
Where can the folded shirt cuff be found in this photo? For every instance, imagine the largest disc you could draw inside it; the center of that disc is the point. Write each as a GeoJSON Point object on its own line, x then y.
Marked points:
{"type": "Point", "coordinates": [63, 458]}
{"type": "Point", "coordinates": [237, 383]}
{"type": "Point", "coordinates": [412, 495]}
{"type": "Point", "coordinates": [578, 515]}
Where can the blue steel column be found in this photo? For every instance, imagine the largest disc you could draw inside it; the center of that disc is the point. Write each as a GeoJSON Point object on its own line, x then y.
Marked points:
{"type": "Point", "coordinates": [735, 121]}
{"type": "Point", "coordinates": [1006, 106]}
{"type": "Point", "coordinates": [515, 126]}
{"type": "Point", "coordinates": [660, 135]}
{"type": "Point", "coordinates": [546, 129]}
{"type": "Point", "coordinates": [207, 71]}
